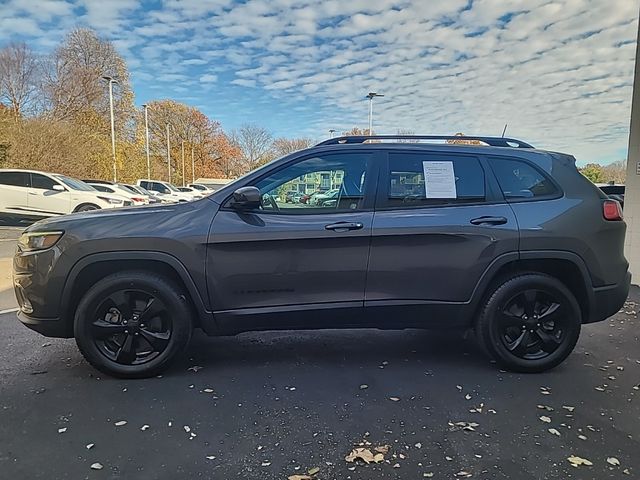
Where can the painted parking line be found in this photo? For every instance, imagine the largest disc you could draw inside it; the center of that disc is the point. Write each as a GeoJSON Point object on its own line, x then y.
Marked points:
{"type": "Point", "coordinates": [9, 310]}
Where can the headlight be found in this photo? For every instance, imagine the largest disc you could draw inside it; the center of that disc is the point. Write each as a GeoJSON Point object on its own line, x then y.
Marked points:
{"type": "Point", "coordinates": [32, 241]}
{"type": "Point", "coordinates": [113, 201]}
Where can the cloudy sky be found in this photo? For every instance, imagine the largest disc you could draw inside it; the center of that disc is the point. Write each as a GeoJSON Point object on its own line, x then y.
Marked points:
{"type": "Point", "coordinates": [559, 73]}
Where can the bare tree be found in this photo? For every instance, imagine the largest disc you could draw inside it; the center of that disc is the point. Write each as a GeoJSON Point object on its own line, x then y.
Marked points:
{"type": "Point", "coordinates": [72, 79]}
{"type": "Point", "coordinates": [284, 146]}
{"type": "Point", "coordinates": [254, 143]}
{"type": "Point", "coordinates": [18, 68]}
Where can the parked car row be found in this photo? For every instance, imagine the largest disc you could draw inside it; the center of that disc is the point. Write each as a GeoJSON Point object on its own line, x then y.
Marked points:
{"type": "Point", "coordinates": [36, 194]}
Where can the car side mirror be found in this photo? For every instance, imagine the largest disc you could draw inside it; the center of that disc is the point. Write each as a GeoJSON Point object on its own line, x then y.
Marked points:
{"type": "Point", "coordinates": [246, 198]}
{"type": "Point", "coordinates": [58, 188]}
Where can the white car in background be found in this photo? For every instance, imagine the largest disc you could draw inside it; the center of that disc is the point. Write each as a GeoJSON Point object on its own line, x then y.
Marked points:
{"type": "Point", "coordinates": [203, 189]}
{"type": "Point", "coordinates": [119, 191]}
{"type": "Point", "coordinates": [165, 190]}
{"type": "Point", "coordinates": [195, 194]}
{"type": "Point", "coordinates": [32, 193]}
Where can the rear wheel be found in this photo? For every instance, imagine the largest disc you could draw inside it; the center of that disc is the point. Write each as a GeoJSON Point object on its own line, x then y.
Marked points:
{"type": "Point", "coordinates": [132, 324]}
{"type": "Point", "coordinates": [87, 208]}
{"type": "Point", "coordinates": [530, 323]}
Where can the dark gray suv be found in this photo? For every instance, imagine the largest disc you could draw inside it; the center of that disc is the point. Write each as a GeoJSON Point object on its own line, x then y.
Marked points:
{"type": "Point", "coordinates": [499, 237]}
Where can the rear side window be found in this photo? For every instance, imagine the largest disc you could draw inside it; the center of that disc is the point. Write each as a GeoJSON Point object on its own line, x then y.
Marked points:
{"type": "Point", "coordinates": [42, 182]}
{"type": "Point", "coordinates": [158, 187]}
{"type": "Point", "coordinates": [16, 179]}
{"type": "Point", "coordinates": [520, 180]}
{"type": "Point", "coordinates": [431, 179]}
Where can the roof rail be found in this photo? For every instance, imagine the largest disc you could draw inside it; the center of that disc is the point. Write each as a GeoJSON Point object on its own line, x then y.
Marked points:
{"type": "Point", "coordinates": [491, 141]}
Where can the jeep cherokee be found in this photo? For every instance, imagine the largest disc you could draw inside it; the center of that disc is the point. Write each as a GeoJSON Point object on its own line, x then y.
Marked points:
{"type": "Point", "coordinates": [492, 235]}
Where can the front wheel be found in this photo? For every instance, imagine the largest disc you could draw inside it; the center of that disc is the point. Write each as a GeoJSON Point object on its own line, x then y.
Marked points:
{"type": "Point", "coordinates": [530, 323]}
{"type": "Point", "coordinates": [132, 324]}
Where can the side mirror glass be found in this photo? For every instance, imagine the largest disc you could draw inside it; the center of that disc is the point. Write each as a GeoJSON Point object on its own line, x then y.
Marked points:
{"type": "Point", "coordinates": [58, 188]}
{"type": "Point", "coordinates": [246, 197]}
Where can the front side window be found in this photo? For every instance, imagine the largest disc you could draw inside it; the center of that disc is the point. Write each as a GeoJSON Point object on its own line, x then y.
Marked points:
{"type": "Point", "coordinates": [327, 183]}
{"type": "Point", "coordinates": [42, 182]}
{"type": "Point", "coordinates": [15, 179]}
{"type": "Point", "coordinates": [519, 180]}
{"type": "Point", "coordinates": [430, 179]}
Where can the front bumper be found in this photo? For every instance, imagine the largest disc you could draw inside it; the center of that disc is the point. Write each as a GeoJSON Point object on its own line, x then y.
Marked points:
{"type": "Point", "coordinates": [49, 327]}
{"type": "Point", "coordinates": [607, 301]}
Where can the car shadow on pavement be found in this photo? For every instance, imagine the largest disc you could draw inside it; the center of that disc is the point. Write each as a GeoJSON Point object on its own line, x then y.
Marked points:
{"type": "Point", "coordinates": [335, 348]}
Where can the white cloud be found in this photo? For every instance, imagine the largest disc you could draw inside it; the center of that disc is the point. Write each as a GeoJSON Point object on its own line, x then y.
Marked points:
{"type": "Point", "coordinates": [558, 72]}
{"type": "Point", "coordinates": [208, 78]}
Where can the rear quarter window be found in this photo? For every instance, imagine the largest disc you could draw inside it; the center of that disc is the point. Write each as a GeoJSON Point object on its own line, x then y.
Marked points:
{"type": "Point", "coordinates": [520, 180]}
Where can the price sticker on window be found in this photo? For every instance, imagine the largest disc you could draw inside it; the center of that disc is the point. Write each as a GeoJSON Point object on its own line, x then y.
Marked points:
{"type": "Point", "coordinates": [439, 180]}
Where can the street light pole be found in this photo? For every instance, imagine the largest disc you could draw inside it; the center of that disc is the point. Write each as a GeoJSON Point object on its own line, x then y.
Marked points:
{"type": "Point", "coordinates": [183, 163]}
{"type": "Point", "coordinates": [146, 136]}
{"type": "Point", "coordinates": [193, 168]}
{"type": "Point", "coordinates": [168, 154]}
{"type": "Point", "coordinates": [113, 129]}
{"type": "Point", "coordinates": [331, 132]}
{"type": "Point", "coordinates": [370, 96]}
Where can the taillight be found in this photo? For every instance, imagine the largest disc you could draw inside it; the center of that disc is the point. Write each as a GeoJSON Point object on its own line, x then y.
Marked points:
{"type": "Point", "coordinates": [611, 210]}
{"type": "Point", "coordinates": [137, 199]}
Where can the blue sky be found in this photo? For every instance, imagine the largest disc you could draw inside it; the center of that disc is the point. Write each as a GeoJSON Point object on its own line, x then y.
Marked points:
{"type": "Point", "coordinates": [560, 73]}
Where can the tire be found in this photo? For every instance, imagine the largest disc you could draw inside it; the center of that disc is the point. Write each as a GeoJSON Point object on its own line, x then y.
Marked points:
{"type": "Point", "coordinates": [87, 208]}
{"type": "Point", "coordinates": [529, 323]}
{"type": "Point", "coordinates": [133, 324]}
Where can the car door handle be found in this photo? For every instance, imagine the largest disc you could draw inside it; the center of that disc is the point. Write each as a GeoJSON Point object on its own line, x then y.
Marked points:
{"type": "Point", "coordinates": [344, 226]}
{"type": "Point", "coordinates": [487, 220]}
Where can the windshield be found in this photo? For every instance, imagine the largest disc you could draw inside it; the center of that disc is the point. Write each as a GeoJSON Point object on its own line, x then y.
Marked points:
{"type": "Point", "coordinates": [75, 184]}
{"type": "Point", "coordinates": [171, 187]}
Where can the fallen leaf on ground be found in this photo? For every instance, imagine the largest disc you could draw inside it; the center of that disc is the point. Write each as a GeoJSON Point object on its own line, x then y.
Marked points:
{"type": "Point", "coordinates": [211, 457]}
{"type": "Point", "coordinates": [428, 474]}
{"type": "Point", "coordinates": [365, 455]}
{"type": "Point", "coordinates": [195, 368]}
{"type": "Point", "coordinates": [600, 389]}
{"type": "Point", "coordinates": [569, 408]}
{"type": "Point", "coordinates": [187, 428]}
{"type": "Point", "coordinates": [545, 419]}
{"type": "Point", "coordinates": [120, 423]}
{"type": "Point", "coordinates": [299, 477]}
{"type": "Point", "coordinates": [144, 427]}
{"type": "Point", "coordinates": [364, 386]}
{"type": "Point", "coordinates": [62, 430]}
{"type": "Point", "coordinates": [582, 437]}
{"type": "Point", "coordinates": [463, 474]}
{"type": "Point", "coordinates": [384, 449]}
{"type": "Point", "coordinates": [577, 461]}
{"type": "Point", "coordinates": [265, 464]}
{"type": "Point", "coordinates": [208, 390]}
{"type": "Point", "coordinates": [96, 466]}
{"type": "Point", "coordinates": [554, 431]}
{"type": "Point", "coordinates": [394, 399]}
{"type": "Point", "coordinates": [90, 446]}
{"type": "Point", "coordinates": [613, 461]}
{"type": "Point", "coordinates": [418, 445]}
{"type": "Point", "coordinates": [313, 471]}
{"type": "Point", "coordinates": [545, 407]}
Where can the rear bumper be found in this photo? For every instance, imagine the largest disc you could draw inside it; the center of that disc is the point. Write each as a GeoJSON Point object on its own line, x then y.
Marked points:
{"type": "Point", "coordinates": [49, 327]}
{"type": "Point", "coordinates": [606, 301]}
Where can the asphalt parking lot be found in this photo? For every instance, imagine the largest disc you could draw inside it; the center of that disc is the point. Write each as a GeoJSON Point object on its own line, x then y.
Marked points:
{"type": "Point", "coordinates": [273, 405]}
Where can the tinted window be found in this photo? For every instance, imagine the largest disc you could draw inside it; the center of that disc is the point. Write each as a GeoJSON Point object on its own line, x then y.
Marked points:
{"type": "Point", "coordinates": [75, 184]}
{"type": "Point", "coordinates": [319, 184]}
{"type": "Point", "coordinates": [42, 182]}
{"type": "Point", "coordinates": [102, 188]}
{"type": "Point", "coordinates": [158, 187]}
{"type": "Point", "coordinates": [519, 179]}
{"type": "Point", "coordinates": [17, 179]}
{"type": "Point", "coordinates": [145, 185]}
{"type": "Point", "coordinates": [613, 189]}
{"type": "Point", "coordinates": [407, 187]}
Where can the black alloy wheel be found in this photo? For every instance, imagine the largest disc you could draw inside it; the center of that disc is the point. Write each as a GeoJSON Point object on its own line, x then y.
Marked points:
{"type": "Point", "coordinates": [131, 327]}
{"type": "Point", "coordinates": [132, 324]}
{"type": "Point", "coordinates": [530, 322]}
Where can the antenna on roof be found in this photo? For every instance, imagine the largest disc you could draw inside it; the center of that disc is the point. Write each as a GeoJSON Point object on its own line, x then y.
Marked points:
{"type": "Point", "coordinates": [504, 130]}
